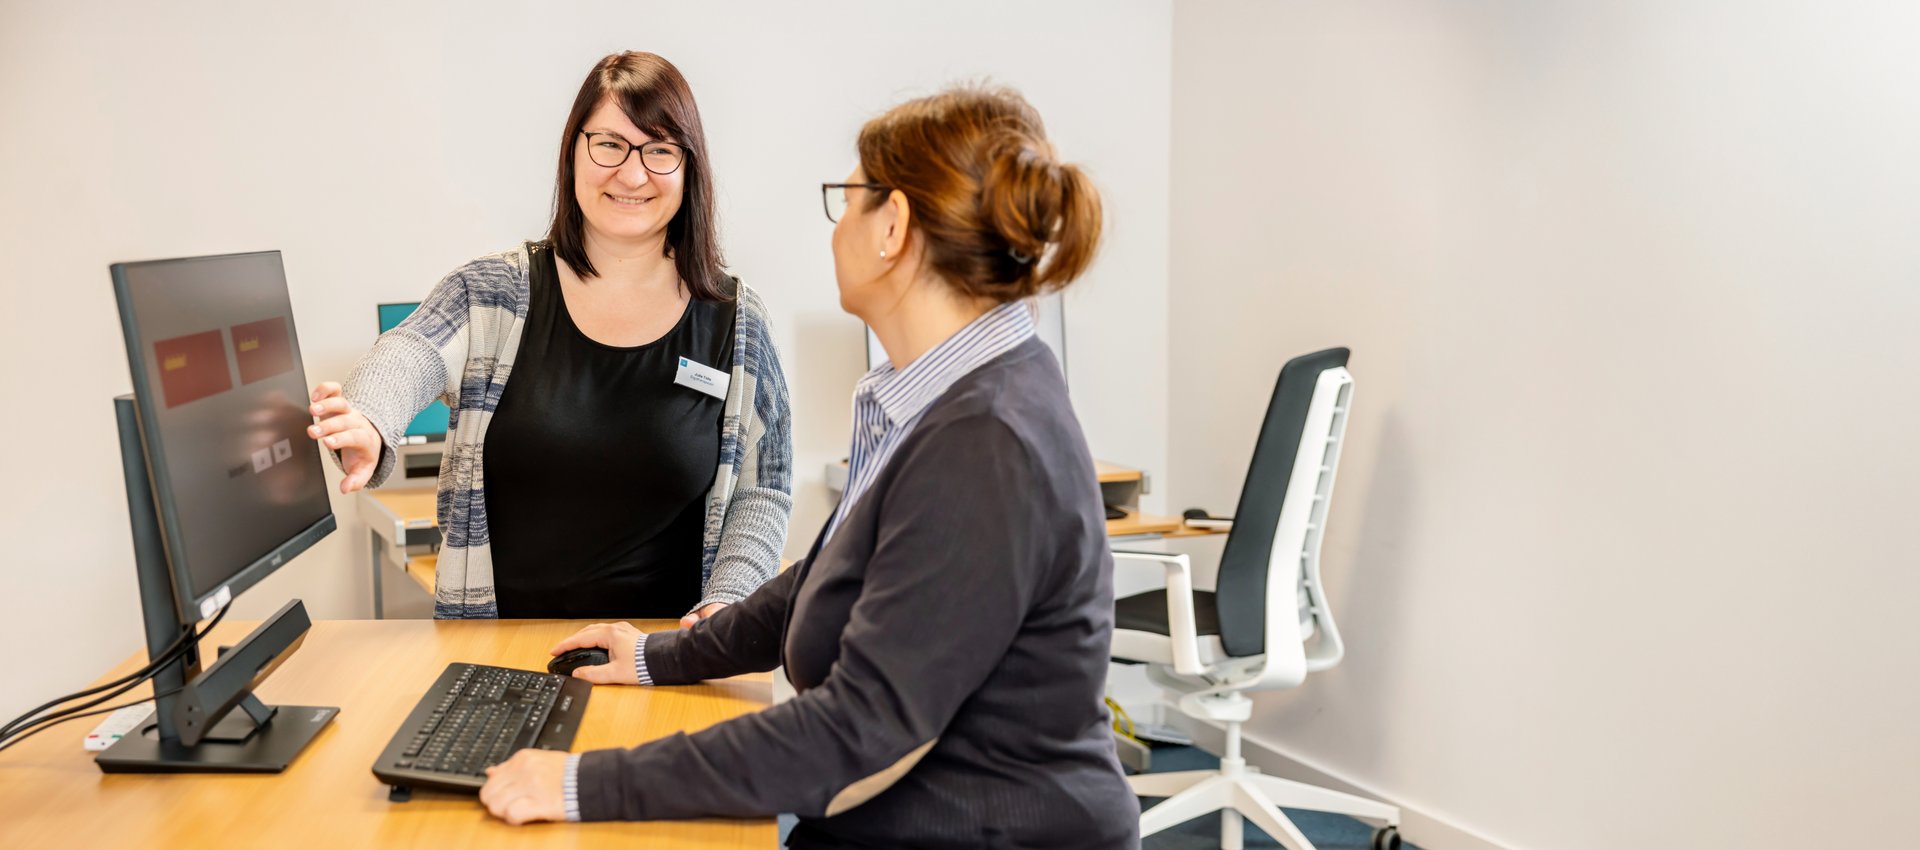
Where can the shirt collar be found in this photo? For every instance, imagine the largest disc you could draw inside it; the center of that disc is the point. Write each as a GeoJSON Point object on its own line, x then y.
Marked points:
{"type": "Point", "coordinates": [905, 393]}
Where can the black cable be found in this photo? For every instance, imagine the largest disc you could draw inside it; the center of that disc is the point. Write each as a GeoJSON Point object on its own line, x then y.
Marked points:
{"type": "Point", "coordinates": [46, 723]}
{"type": "Point", "coordinates": [27, 726]}
{"type": "Point", "coordinates": [123, 684]}
{"type": "Point", "coordinates": [173, 651]}
{"type": "Point", "coordinates": [63, 715]}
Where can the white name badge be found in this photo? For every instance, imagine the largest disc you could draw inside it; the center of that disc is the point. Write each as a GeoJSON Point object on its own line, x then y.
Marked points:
{"type": "Point", "coordinates": [706, 379]}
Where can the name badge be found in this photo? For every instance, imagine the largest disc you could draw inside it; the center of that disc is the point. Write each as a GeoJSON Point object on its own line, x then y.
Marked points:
{"type": "Point", "coordinates": [706, 379]}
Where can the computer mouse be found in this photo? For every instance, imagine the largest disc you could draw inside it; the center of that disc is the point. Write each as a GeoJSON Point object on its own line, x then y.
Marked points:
{"type": "Point", "coordinates": [567, 662]}
{"type": "Point", "coordinates": [1199, 518]}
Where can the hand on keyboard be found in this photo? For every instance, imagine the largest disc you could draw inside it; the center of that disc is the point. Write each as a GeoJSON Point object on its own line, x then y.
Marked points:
{"type": "Point", "coordinates": [475, 716]}
{"type": "Point", "coordinates": [528, 787]}
{"type": "Point", "coordinates": [617, 639]}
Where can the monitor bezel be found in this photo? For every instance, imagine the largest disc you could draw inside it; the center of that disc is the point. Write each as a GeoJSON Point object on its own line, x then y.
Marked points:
{"type": "Point", "coordinates": [195, 603]}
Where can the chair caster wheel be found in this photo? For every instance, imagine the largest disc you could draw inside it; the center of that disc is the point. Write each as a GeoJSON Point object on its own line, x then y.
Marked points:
{"type": "Point", "coordinates": [1386, 838]}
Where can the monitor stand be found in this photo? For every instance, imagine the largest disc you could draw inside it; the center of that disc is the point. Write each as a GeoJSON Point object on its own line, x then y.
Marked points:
{"type": "Point", "coordinates": [244, 735]}
{"type": "Point", "coordinates": [239, 743]}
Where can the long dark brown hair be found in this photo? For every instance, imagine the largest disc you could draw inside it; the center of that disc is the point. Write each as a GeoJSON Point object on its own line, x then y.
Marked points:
{"type": "Point", "coordinates": [655, 97]}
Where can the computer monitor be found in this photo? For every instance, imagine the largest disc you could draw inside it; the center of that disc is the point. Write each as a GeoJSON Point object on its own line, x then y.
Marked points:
{"type": "Point", "coordinates": [1049, 319]}
{"type": "Point", "coordinates": [431, 425]}
{"type": "Point", "coordinates": [224, 487]}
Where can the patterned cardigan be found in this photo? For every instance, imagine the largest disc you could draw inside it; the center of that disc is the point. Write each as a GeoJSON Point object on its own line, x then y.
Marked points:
{"type": "Point", "coordinates": [459, 347]}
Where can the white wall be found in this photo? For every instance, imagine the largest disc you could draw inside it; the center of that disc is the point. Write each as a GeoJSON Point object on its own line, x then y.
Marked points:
{"type": "Point", "coordinates": [381, 145]}
{"type": "Point", "coordinates": [1620, 545]}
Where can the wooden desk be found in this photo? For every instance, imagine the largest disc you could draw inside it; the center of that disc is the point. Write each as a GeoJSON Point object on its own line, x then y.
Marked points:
{"type": "Point", "coordinates": [52, 794]}
{"type": "Point", "coordinates": [397, 519]}
{"type": "Point", "coordinates": [1113, 473]}
{"type": "Point", "coordinates": [1136, 526]}
{"type": "Point", "coordinates": [422, 570]}
{"type": "Point", "coordinates": [1121, 487]}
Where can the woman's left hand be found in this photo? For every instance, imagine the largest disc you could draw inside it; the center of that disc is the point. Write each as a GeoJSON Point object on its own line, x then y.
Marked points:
{"type": "Point", "coordinates": [701, 613]}
{"type": "Point", "coordinates": [528, 787]}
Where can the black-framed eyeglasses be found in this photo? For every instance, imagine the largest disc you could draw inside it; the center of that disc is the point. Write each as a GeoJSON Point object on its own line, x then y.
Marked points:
{"type": "Point", "coordinates": [833, 196]}
{"type": "Point", "coordinates": [610, 151]}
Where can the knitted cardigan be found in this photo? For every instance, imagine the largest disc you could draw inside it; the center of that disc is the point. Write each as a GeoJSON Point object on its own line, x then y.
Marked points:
{"type": "Point", "coordinates": [459, 347]}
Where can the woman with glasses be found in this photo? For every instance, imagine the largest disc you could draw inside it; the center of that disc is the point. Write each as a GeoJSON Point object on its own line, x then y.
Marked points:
{"type": "Point", "coordinates": [619, 445]}
{"type": "Point", "coordinates": [948, 634]}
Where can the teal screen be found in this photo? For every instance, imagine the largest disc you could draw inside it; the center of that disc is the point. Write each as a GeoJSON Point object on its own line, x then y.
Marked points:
{"type": "Point", "coordinates": [431, 422]}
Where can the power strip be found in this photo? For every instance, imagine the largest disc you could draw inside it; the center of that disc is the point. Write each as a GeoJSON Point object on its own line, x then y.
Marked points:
{"type": "Point", "coordinates": [116, 725]}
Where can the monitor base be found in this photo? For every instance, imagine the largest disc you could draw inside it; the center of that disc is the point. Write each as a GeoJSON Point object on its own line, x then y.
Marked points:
{"type": "Point", "coordinates": [234, 745]}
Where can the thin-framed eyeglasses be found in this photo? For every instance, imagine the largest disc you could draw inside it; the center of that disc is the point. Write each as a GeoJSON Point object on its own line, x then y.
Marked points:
{"type": "Point", "coordinates": [610, 151]}
{"type": "Point", "coordinates": [833, 196]}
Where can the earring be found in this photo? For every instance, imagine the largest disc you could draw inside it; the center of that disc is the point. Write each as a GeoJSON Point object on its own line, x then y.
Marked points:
{"type": "Point", "coordinates": [883, 253]}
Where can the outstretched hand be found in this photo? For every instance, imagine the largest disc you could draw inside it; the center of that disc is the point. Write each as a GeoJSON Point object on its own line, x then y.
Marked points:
{"type": "Point", "coordinates": [344, 430]}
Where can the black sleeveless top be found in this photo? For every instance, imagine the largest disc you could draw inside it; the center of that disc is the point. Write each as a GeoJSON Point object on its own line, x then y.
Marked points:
{"type": "Point", "coordinates": [598, 465]}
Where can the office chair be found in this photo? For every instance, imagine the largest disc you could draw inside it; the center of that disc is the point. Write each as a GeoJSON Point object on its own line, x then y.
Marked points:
{"type": "Point", "coordinates": [1266, 624]}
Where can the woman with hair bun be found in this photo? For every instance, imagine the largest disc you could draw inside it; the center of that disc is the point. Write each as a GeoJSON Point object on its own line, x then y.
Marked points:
{"type": "Point", "coordinates": [948, 633]}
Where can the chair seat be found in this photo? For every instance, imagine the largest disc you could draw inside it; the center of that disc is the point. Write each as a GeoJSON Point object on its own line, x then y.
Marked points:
{"type": "Point", "coordinates": [1140, 630]}
{"type": "Point", "coordinates": [1147, 612]}
{"type": "Point", "coordinates": [1137, 647]}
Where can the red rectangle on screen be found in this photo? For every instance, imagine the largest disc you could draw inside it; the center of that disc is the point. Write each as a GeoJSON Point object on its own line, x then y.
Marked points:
{"type": "Point", "coordinates": [192, 367]}
{"type": "Point", "coordinates": [261, 348]}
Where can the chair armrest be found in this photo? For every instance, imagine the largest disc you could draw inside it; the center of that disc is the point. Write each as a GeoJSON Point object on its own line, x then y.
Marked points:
{"type": "Point", "coordinates": [1180, 622]}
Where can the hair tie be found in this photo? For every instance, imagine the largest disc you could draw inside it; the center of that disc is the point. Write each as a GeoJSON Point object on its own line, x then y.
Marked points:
{"type": "Point", "coordinates": [1018, 257]}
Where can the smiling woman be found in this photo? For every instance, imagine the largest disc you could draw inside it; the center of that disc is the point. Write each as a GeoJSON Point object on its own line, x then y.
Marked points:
{"type": "Point", "coordinates": [637, 464]}
{"type": "Point", "coordinates": [629, 101]}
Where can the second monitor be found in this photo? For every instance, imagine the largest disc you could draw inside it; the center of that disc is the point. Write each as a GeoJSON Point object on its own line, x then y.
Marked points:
{"type": "Point", "coordinates": [418, 463]}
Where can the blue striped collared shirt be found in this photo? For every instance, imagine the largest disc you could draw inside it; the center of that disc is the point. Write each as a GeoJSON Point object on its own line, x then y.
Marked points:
{"type": "Point", "coordinates": [570, 787]}
{"type": "Point", "coordinates": [570, 777]}
{"type": "Point", "coordinates": [888, 402]}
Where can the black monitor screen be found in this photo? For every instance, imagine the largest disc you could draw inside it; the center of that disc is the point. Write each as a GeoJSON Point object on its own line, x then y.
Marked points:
{"type": "Point", "coordinates": [222, 398]}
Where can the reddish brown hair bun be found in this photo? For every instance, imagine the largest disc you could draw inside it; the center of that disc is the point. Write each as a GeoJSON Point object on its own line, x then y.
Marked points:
{"type": "Point", "coordinates": [1003, 218]}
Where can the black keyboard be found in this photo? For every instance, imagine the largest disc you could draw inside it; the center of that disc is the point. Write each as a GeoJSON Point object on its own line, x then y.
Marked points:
{"type": "Point", "coordinates": [477, 716]}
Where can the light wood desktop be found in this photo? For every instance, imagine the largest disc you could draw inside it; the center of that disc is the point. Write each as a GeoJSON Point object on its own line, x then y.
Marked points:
{"type": "Point", "coordinates": [53, 795]}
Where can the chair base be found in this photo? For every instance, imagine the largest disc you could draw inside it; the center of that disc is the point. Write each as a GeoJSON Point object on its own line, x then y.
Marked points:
{"type": "Point", "coordinates": [1238, 791]}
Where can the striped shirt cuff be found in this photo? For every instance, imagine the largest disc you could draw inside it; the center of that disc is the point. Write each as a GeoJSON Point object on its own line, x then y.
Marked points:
{"type": "Point", "coordinates": [640, 660]}
{"type": "Point", "coordinates": [570, 787]}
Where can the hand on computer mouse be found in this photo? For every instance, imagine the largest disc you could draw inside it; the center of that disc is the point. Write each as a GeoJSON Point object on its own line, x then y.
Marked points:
{"type": "Point", "coordinates": [573, 659]}
{"type": "Point", "coordinates": [617, 639]}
